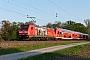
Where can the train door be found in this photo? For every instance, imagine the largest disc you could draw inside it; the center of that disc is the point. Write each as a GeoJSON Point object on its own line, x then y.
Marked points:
{"type": "Point", "coordinates": [32, 30]}
{"type": "Point", "coordinates": [74, 35]}
{"type": "Point", "coordinates": [36, 31]}
{"type": "Point", "coordinates": [58, 33]}
{"type": "Point", "coordinates": [41, 31]}
{"type": "Point", "coordinates": [50, 32]}
{"type": "Point", "coordinates": [65, 35]}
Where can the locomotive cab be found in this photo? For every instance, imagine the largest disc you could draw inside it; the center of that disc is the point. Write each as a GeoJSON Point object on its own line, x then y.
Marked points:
{"type": "Point", "coordinates": [26, 31]}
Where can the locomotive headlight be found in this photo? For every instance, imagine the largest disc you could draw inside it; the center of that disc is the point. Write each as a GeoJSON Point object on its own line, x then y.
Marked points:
{"type": "Point", "coordinates": [25, 32]}
{"type": "Point", "coordinates": [20, 31]}
{"type": "Point", "coordinates": [19, 34]}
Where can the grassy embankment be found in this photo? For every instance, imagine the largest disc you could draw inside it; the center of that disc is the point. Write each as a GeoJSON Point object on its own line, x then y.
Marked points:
{"type": "Point", "coordinates": [61, 53]}
{"type": "Point", "coordinates": [27, 48]}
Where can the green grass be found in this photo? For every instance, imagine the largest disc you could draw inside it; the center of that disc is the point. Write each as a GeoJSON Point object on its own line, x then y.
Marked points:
{"type": "Point", "coordinates": [27, 48]}
{"type": "Point", "coordinates": [49, 56]}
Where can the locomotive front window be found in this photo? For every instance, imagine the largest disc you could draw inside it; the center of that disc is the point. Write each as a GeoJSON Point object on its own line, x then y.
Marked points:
{"type": "Point", "coordinates": [60, 32]}
{"type": "Point", "coordinates": [31, 28]}
{"type": "Point", "coordinates": [73, 34]}
{"type": "Point", "coordinates": [24, 26]}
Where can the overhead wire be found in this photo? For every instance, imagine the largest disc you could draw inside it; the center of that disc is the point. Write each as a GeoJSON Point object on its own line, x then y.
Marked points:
{"type": "Point", "coordinates": [34, 7]}
{"type": "Point", "coordinates": [12, 11]}
{"type": "Point", "coordinates": [20, 7]}
{"type": "Point", "coordinates": [13, 8]}
{"type": "Point", "coordinates": [40, 6]}
{"type": "Point", "coordinates": [23, 7]}
{"type": "Point", "coordinates": [48, 14]}
{"type": "Point", "coordinates": [18, 13]}
{"type": "Point", "coordinates": [46, 8]}
{"type": "Point", "coordinates": [17, 5]}
{"type": "Point", "coordinates": [64, 10]}
{"type": "Point", "coordinates": [44, 11]}
{"type": "Point", "coordinates": [3, 8]}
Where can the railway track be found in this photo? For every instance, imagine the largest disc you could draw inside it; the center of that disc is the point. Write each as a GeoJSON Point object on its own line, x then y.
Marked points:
{"type": "Point", "coordinates": [45, 38]}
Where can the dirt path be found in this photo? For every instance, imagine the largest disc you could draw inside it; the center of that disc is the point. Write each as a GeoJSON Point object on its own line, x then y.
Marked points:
{"type": "Point", "coordinates": [16, 56]}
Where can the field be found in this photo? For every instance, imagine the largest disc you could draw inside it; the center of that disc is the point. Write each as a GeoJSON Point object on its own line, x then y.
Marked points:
{"type": "Point", "coordinates": [8, 47]}
{"type": "Point", "coordinates": [74, 53]}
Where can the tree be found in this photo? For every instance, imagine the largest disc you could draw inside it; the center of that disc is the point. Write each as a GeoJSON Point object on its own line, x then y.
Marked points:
{"type": "Point", "coordinates": [14, 29]}
{"type": "Point", "coordinates": [80, 28]}
{"type": "Point", "coordinates": [6, 29]}
{"type": "Point", "coordinates": [68, 25]}
{"type": "Point", "coordinates": [87, 22]}
{"type": "Point", "coordinates": [49, 25]}
{"type": "Point", "coordinates": [57, 24]}
{"type": "Point", "coordinates": [30, 22]}
{"type": "Point", "coordinates": [20, 23]}
{"type": "Point", "coordinates": [9, 30]}
{"type": "Point", "coordinates": [71, 25]}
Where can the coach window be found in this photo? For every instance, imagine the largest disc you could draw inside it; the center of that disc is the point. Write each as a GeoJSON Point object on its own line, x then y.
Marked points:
{"type": "Point", "coordinates": [64, 35]}
{"type": "Point", "coordinates": [69, 36]}
{"type": "Point", "coordinates": [58, 32]}
{"type": "Point", "coordinates": [31, 28]}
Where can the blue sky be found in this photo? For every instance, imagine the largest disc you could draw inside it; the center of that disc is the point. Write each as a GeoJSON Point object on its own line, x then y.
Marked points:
{"type": "Point", "coordinates": [44, 11]}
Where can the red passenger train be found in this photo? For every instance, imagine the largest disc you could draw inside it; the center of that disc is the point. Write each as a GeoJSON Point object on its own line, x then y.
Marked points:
{"type": "Point", "coordinates": [31, 31]}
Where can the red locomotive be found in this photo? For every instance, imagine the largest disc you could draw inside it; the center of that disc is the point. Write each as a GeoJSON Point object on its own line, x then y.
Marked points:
{"type": "Point", "coordinates": [32, 31]}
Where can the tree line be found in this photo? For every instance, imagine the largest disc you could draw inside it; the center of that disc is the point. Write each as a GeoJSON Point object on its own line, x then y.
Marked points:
{"type": "Point", "coordinates": [9, 30]}
{"type": "Point", "coordinates": [70, 25]}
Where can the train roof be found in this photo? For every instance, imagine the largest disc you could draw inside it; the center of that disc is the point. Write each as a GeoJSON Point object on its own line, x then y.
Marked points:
{"type": "Point", "coordinates": [70, 31]}
{"type": "Point", "coordinates": [65, 30]}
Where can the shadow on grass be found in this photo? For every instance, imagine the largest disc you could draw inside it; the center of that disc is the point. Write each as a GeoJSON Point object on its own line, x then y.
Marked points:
{"type": "Point", "coordinates": [69, 57]}
{"type": "Point", "coordinates": [55, 56]}
{"type": "Point", "coordinates": [9, 51]}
